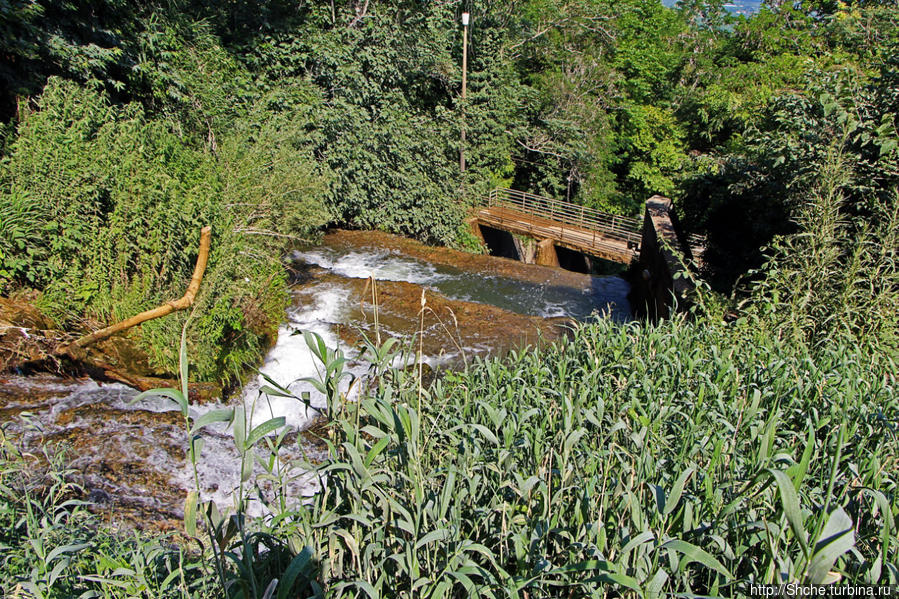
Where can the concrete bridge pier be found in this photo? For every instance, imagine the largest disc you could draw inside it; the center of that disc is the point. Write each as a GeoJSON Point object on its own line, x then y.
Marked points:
{"type": "Point", "coordinates": [546, 253]}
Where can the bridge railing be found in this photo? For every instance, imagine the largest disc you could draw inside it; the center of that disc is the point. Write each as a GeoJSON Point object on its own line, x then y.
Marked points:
{"type": "Point", "coordinates": [611, 225]}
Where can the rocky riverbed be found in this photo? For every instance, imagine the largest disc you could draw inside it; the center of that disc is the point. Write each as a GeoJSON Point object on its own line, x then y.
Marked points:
{"type": "Point", "coordinates": [129, 457]}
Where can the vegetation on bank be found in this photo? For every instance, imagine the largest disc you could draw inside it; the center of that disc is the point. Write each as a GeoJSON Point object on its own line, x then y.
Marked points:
{"type": "Point", "coordinates": [692, 456]}
{"type": "Point", "coordinates": [104, 207]}
{"type": "Point", "coordinates": [753, 441]}
{"type": "Point", "coordinates": [126, 127]}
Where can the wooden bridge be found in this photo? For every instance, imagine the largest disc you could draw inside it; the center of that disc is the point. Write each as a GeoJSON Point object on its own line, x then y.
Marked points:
{"type": "Point", "coordinates": [583, 229]}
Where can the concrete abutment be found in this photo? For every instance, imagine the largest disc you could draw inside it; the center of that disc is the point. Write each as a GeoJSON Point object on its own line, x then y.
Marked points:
{"type": "Point", "coordinates": [659, 281]}
{"type": "Point", "coordinates": [546, 253]}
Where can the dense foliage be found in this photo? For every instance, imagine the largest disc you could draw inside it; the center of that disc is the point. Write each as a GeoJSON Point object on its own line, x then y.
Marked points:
{"type": "Point", "coordinates": [123, 234]}
{"type": "Point", "coordinates": [753, 442]}
{"type": "Point", "coordinates": [352, 113]}
{"type": "Point", "coordinates": [800, 87]}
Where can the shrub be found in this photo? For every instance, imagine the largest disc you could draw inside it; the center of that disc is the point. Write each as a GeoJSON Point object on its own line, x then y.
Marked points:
{"type": "Point", "coordinates": [111, 203]}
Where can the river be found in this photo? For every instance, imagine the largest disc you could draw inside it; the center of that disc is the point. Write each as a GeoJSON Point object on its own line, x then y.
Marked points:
{"type": "Point", "coordinates": [130, 456]}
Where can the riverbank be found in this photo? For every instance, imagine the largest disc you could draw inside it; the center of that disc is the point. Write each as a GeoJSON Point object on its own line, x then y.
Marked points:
{"type": "Point", "coordinates": [20, 319]}
{"type": "Point", "coordinates": [129, 457]}
{"type": "Point", "coordinates": [712, 424]}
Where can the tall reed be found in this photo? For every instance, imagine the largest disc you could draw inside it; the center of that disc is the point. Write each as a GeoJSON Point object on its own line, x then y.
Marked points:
{"type": "Point", "coordinates": [627, 459]}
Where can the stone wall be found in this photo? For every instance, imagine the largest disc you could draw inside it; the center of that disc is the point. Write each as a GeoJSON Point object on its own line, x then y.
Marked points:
{"type": "Point", "coordinates": [655, 288]}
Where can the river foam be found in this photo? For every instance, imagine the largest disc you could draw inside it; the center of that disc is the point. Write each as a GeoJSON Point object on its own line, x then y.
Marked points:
{"type": "Point", "coordinates": [291, 361]}
{"type": "Point", "coordinates": [124, 446]}
{"type": "Point", "coordinates": [383, 265]}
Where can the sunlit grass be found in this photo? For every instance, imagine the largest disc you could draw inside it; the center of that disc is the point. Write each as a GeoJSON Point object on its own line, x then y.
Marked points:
{"type": "Point", "coordinates": [629, 458]}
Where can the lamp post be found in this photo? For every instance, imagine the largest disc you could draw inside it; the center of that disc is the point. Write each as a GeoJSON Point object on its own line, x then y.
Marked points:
{"type": "Point", "coordinates": [465, 18]}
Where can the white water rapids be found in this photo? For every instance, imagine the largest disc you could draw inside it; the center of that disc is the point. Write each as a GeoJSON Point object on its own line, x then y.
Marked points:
{"type": "Point", "coordinates": [101, 412]}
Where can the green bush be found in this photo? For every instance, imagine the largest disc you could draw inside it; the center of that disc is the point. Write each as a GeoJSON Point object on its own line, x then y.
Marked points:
{"type": "Point", "coordinates": [103, 207]}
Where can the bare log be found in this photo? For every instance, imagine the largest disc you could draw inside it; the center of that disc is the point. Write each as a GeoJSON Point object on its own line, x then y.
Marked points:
{"type": "Point", "coordinates": [75, 348]}
{"type": "Point", "coordinates": [197, 392]}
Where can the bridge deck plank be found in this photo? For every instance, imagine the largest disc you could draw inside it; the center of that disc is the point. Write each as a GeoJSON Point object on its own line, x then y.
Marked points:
{"type": "Point", "coordinates": [583, 240]}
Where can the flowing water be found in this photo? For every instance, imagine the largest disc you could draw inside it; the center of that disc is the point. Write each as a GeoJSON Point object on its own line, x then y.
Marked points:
{"type": "Point", "coordinates": [130, 456]}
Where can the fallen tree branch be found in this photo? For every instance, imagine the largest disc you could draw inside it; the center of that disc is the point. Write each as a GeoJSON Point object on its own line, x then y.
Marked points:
{"type": "Point", "coordinates": [75, 349]}
{"type": "Point", "coordinates": [197, 392]}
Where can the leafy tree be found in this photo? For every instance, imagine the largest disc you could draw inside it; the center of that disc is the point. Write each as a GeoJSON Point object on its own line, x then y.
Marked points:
{"type": "Point", "coordinates": [753, 195]}
{"type": "Point", "coordinates": [347, 112]}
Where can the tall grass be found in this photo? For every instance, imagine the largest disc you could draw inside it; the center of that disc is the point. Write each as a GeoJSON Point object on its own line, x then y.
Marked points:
{"type": "Point", "coordinates": [628, 458]}
{"type": "Point", "coordinates": [690, 457]}
{"type": "Point", "coordinates": [686, 458]}
{"type": "Point", "coordinates": [839, 276]}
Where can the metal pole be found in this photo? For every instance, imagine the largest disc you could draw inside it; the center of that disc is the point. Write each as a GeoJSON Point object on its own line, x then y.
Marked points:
{"type": "Point", "coordinates": [465, 18]}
